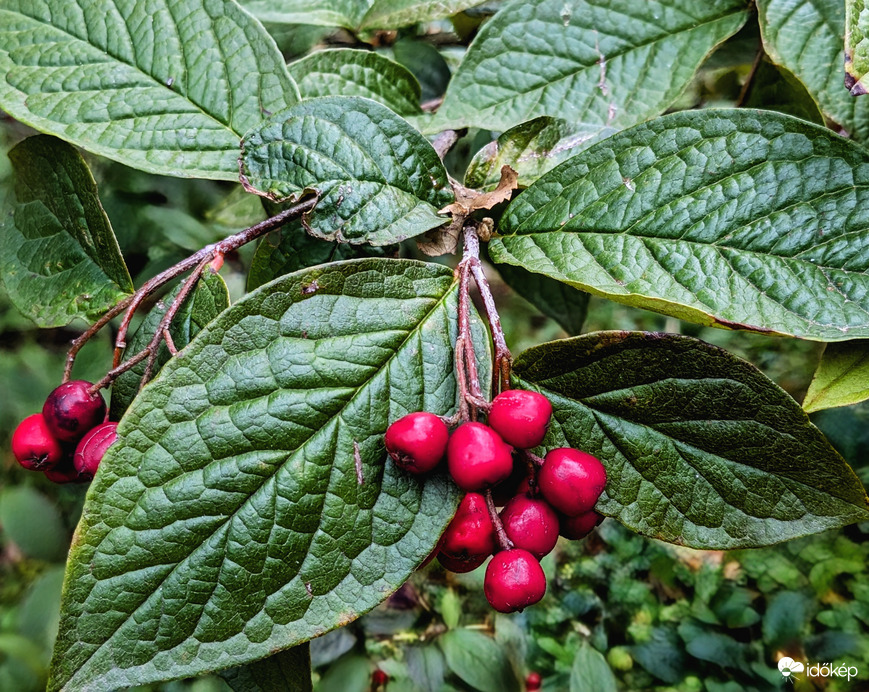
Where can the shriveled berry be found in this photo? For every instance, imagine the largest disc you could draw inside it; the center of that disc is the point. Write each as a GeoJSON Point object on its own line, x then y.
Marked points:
{"type": "Point", "coordinates": [477, 457]}
{"type": "Point", "coordinates": [571, 480]}
{"type": "Point", "coordinates": [514, 579]}
{"type": "Point", "coordinates": [92, 447]}
{"type": "Point", "coordinates": [34, 446]}
{"type": "Point", "coordinates": [471, 533]}
{"type": "Point", "coordinates": [520, 417]}
{"type": "Point", "coordinates": [417, 442]}
{"type": "Point", "coordinates": [460, 566]}
{"type": "Point", "coordinates": [580, 526]}
{"type": "Point", "coordinates": [70, 410]}
{"type": "Point", "coordinates": [533, 682]}
{"type": "Point", "coordinates": [531, 524]}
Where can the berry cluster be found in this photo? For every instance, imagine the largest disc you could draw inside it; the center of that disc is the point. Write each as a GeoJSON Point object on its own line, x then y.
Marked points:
{"type": "Point", "coordinates": [68, 439]}
{"type": "Point", "coordinates": [539, 502]}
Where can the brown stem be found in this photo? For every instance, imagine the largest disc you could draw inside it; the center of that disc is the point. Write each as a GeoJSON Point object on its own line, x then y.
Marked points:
{"type": "Point", "coordinates": [114, 373]}
{"type": "Point", "coordinates": [503, 542]}
{"type": "Point", "coordinates": [130, 303]}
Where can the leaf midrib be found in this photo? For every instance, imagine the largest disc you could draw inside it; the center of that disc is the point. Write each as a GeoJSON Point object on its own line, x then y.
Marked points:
{"type": "Point", "coordinates": [223, 524]}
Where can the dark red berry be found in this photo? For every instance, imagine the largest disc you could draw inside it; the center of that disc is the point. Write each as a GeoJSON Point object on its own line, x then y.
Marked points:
{"type": "Point", "coordinates": [520, 417]}
{"type": "Point", "coordinates": [460, 566]}
{"type": "Point", "coordinates": [379, 677]}
{"type": "Point", "coordinates": [34, 446]}
{"type": "Point", "coordinates": [571, 480]}
{"type": "Point", "coordinates": [65, 472]}
{"type": "Point", "coordinates": [514, 579]}
{"type": "Point", "coordinates": [417, 442]}
{"type": "Point", "coordinates": [533, 682]}
{"type": "Point", "coordinates": [531, 524]}
{"type": "Point", "coordinates": [92, 447]}
{"type": "Point", "coordinates": [579, 527]}
{"type": "Point", "coordinates": [477, 457]}
{"type": "Point", "coordinates": [471, 533]}
{"type": "Point", "coordinates": [70, 410]}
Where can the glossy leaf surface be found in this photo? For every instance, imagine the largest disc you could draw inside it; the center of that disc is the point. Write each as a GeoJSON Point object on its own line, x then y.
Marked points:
{"type": "Point", "coordinates": [701, 449]}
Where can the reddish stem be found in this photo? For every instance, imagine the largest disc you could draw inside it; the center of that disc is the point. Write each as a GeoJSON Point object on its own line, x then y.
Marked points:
{"type": "Point", "coordinates": [503, 542]}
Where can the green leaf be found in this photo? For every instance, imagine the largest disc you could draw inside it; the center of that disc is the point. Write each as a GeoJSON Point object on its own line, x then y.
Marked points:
{"type": "Point", "coordinates": [394, 14]}
{"type": "Point", "coordinates": [478, 660]}
{"type": "Point", "coordinates": [775, 88]}
{"type": "Point", "coordinates": [209, 299]}
{"type": "Point", "coordinates": [33, 523]}
{"type": "Point", "coordinates": [168, 86]}
{"type": "Point", "coordinates": [856, 46]}
{"type": "Point", "coordinates": [807, 37]}
{"type": "Point", "coordinates": [590, 63]}
{"type": "Point", "coordinates": [591, 672]}
{"type": "Point", "coordinates": [344, 13]}
{"type": "Point", "coordinates": [661, 655]}
{"type": "Point", "coordinates": [426, 667]}
{"type": "Point", "coordinates": [697, 215]}
{"type": "Point", "coordinates": [379, 181]}
{"type": "Point", "coordinates": [531, 149]}
{"type": "Point", "coordinates": [284, 671]}
{"type": "Point", "coordinates": [785, 618]}
{"type": "Point", "coordinates": [58, 255]}
{"type": "Point", "coordinates": [430, 69]}
{"type": "Point", "coordinates": [701, 449]}
{"type": "Point", "coordinates": [351, 673]}
{"type": "Point", "coordinates": [565, 304]}
{"type": "Point", "coordinates": [713, 647]}
{"type": "Point", "coordinates": [842, 377]}
{"type": "Point", "coordinates": [228, 520]}
{"type": "Point", "coordinates": [348, 72]}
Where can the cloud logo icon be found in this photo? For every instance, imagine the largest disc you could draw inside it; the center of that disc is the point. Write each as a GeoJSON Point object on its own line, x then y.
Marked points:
{"type": "Point", "coordinates": [787, 666]}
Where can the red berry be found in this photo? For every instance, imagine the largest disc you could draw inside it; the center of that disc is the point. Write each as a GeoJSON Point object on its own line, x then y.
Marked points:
{"type": "Point", "coordinates": [571, 480]}
{"type": "Point", "coordinates": [34, 446]}
{"type": "Point", "coordinates": [471, 533]}
{"type": "Point", "coordinates": [65, 472]}
{"type": "Point", "coordinates": [532, 682]}
{"type": "Point", "coordinates": [520, 417]}
{"type": "Point", "coordinates": [579, 527]}
{"type": "Point", "coordinates": [417, 442]}
{"type": "Point", "coordinates": [92, 447]}
{"type": "Point", "coordinates": [70, 410]}
{"type": "Point", "coordinates": [477, 457]}
{"type": "Point", "coordinates": [514, 579]}
{"type": "Point", "coordinates": [531, 524]}
{"type": "Point", "coordinates": [460, 566]}
{"type": "Point", "coordinates": [379, 677]}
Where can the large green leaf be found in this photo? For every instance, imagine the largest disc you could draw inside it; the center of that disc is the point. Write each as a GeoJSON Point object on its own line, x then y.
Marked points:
{"type": "Point", "coordinates": [345, 13]}
{"type": "Point", "coordinates": [590, 672]}
{"type": "Point", "coordinates": [229, 520]}
{"type": "Point", "coordinates": [591, 62]}
{"type": "Point", "coordinates": [393, 14]}
{"type": "Point", "coordinates": [842, 377]}
{"type": "Point", "coordinates": [478, 660]}
{"type": "Point", "coordinates": [856, 46]}
{"type": "Point", "coordinates": [732, 218]}
{"type": "Point", "coordinates": [379, 181]}
{"type": "Point", "coordinates": [285, 671]}
{"type": "Point", "coordinates": [565, 304]}
{"type": "Point", "coordinates": [531, 149]}
{"type": "Point", "coordinates": [348, 72]}
{"type": "Point", "coordinates": [207, 301]}
{"type": "Point", "coordinates": [165, 86]}
{"type": "Point", "coordinates": [701, 449]}
{"type": "Point", "coordinates": [807, 37]}
{"type": "Point", "coordinates": [58, 255]}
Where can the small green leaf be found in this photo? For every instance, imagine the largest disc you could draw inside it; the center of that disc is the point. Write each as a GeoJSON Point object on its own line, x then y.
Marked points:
{"type": "Point", "coordinates": [450, 608]}
{"type": "Point", "coordinates": [428, 66]}
{"type": "Point", "coordinates": [344, 13]}
{"type": "Point", "coordinates": [351, 673]}
{"type": "Point", "coordinates": [662, 655]}
{"type": "Point", "coordinates": [842, 377]}
{"type": "Point", "coordinates": [478, 660]}
{"type": "Point", "coordinates": [233, 516]}
{"type": "Point", "coordinates": [807, 37]}
{"type": "Point", "coordinates": [284, 671]}
{"type": "Point", "coordinates": [33, 523]}
{"type": "Point", "coordinates": [775, 88]}
{"type": "Point", "coordinates": [394, 14]}
{"type": "Point", "coordinates": [379, 181]}
{"type": "Point", "coordinates": [565, 304]}
{"type": "Point", "coordinates": [714, 647]}
{"type": "Point", "coordinates": [590, 63]}
{"type": "Point", "coordinates": [209, 299]}
{"type": "Point", "coordinates": [590, 671]}
{"type": "Point", "coordinates": [58, 255]}
{"type": "Point", "coordinates": [697, 215]}
{"type": "Point", "coordinates": [348, 72]}
{"type": "Point", "coordinates": [856, 46]}
{"type": "Point", "coordinates": [426, 667]}
{"type": "Point", "coordinates": [701, 449]}
{"type": "Point", "coordinates": [785, 618]}
{"type": "Point", "coordinates": [531, 149]}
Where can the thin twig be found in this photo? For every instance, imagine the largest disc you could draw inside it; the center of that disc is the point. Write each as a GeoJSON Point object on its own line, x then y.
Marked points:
{"type": "Point", "coordinates": [114, 373]}
{"type": "Point", "coordinates": [749, 80]}
{"type": "Point", "coordinates": [133, 301]}
{"type": "Point", "coordinates": [503, 542]}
